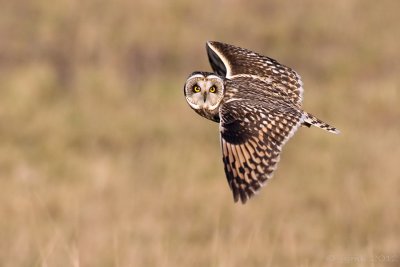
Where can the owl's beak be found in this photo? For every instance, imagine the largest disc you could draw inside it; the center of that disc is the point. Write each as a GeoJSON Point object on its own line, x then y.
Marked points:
{"type": "Point", "coordinates": [205, 96]}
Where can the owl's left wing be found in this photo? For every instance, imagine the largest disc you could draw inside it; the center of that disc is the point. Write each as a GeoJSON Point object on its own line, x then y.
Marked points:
{"type": "Point", "coordinates": [232, 61]}
{"type": "Point", "coordinates": [252, 136]}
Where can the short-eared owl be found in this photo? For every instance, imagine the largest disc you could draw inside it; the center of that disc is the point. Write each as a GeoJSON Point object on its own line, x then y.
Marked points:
{"type": "Point", "coordinates": [257, 103]}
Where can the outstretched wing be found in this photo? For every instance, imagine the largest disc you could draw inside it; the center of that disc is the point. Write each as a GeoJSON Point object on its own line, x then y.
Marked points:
{"type": "Point", "coordinates": [230, 61]}
{"type": "Point", "coordinates": [252, 136]}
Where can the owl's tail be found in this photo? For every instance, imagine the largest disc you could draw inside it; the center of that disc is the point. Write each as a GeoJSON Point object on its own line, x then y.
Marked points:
{"type": "Point", "coordinates": [312, 120]}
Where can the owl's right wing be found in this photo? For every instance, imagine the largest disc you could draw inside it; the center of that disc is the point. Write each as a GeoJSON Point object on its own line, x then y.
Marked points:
{"type": "Point", "coordinates": [252, 136]}
{"type": "Point", "coordinates": [231, 61]}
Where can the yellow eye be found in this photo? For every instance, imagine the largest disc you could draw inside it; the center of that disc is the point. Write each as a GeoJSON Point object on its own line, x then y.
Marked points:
{"type": "Point", "coordinates": [213, 89]}
{"type": "Point", "coordinates": [196, 88]}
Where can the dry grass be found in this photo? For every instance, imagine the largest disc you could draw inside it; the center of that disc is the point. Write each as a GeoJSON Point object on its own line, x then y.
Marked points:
{"type": "Point", "coordinates": [102, 163]}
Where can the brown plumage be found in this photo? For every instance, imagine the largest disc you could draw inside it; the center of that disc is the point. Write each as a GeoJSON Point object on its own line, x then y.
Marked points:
{"type": "Point", "coordinates": [258, 107]}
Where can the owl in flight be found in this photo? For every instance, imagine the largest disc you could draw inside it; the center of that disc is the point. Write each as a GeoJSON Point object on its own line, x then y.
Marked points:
{"type": "Point", "coordinates": [257, 103]}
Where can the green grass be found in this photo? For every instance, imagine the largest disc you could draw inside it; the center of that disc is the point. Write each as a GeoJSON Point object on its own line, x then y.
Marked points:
{"type": "Point", "coordinates": [103, 163]}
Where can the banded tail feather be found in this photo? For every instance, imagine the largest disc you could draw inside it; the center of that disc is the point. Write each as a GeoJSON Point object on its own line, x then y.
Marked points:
{"type": "Point", "coordinates": [314, 121]}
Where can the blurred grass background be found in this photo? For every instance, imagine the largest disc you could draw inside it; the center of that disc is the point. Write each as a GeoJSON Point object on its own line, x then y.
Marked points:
{"type": "Point", "coordinates": [102, 162]}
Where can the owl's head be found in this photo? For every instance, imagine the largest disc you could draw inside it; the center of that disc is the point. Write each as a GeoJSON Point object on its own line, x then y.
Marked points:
{"type": "Point", "coordinates": [204, 91]}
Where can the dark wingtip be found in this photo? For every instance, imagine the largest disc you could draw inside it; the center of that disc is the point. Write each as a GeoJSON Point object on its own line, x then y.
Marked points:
{"type": "Point", "coordinates": [216, 44]}
{"type": "Point", "coordinates": [209, 43]}
{"type": "Point", "coordinates": [216, 62]}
